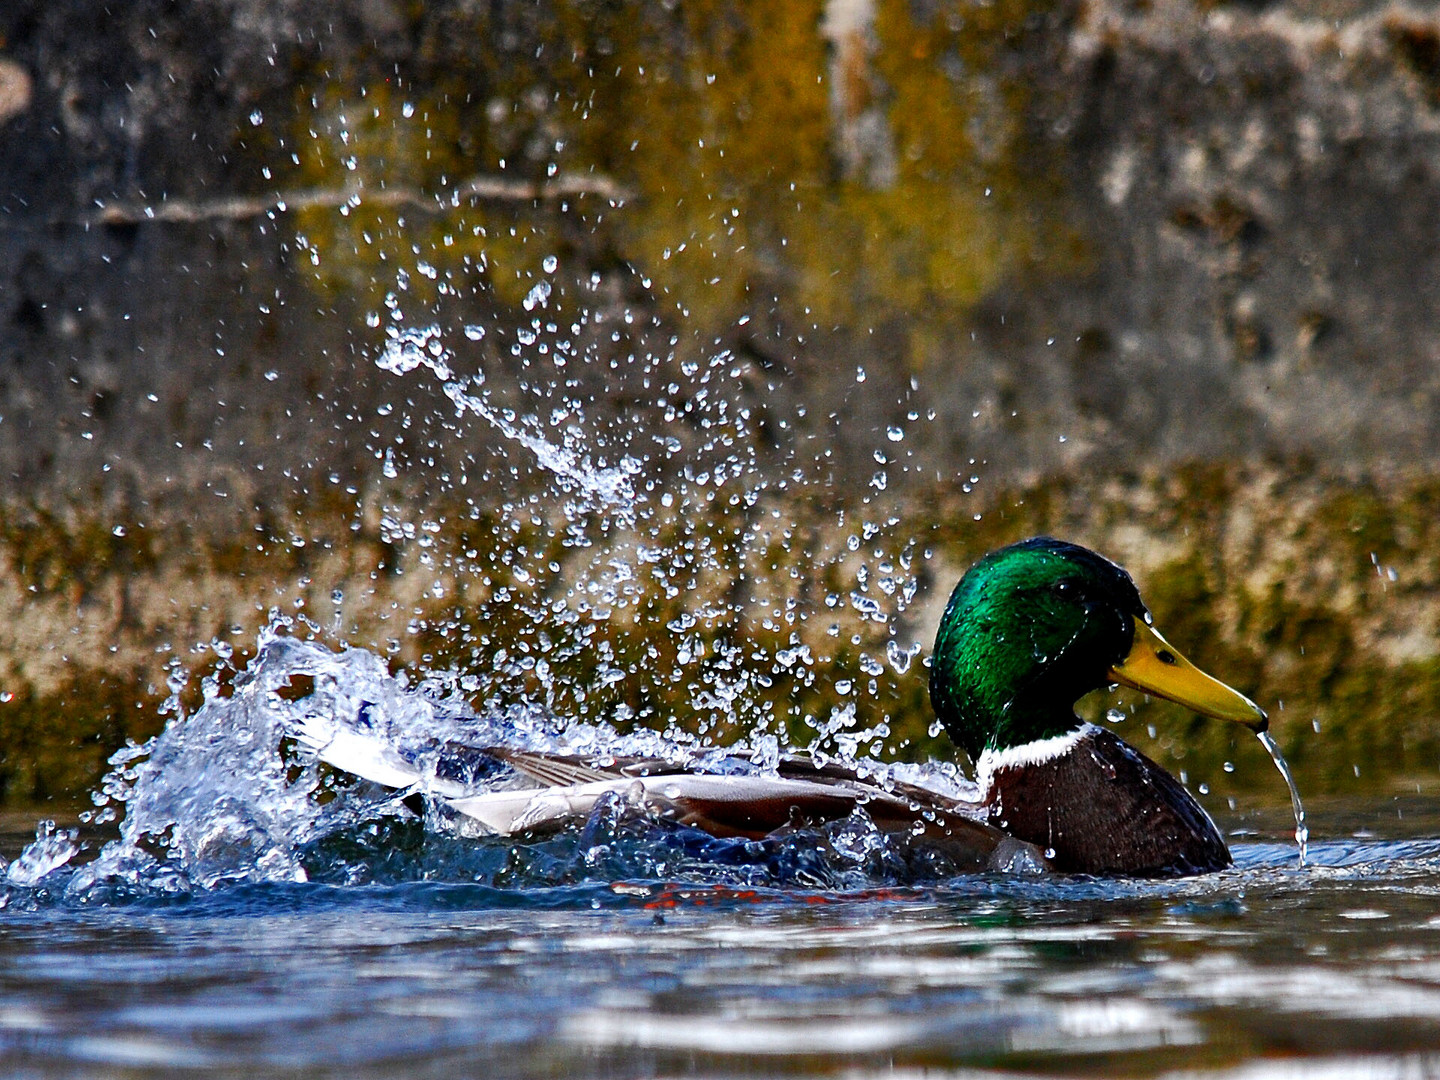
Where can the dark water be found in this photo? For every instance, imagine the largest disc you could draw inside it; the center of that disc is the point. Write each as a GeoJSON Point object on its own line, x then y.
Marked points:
{"type": "Point", "coordinates": [1266, 970]}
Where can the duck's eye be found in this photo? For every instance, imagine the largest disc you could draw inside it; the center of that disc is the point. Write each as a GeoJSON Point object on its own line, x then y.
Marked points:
{"type": "Point", "coordinates": [1165, 656]}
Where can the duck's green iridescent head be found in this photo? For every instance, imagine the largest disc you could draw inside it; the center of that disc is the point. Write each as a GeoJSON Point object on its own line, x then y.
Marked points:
{"type": "Point", "coordinates": [1035, 626]}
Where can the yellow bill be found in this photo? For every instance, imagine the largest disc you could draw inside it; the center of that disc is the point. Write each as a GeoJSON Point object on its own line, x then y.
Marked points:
{"type": "Point", "coordinates": [1154, 666]}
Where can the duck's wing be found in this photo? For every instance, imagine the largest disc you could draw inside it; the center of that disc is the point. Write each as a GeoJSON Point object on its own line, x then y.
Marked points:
{"type": "Point", "coordinates": [553, 770]}
{"type": "Point", "coordinates": [748, 806]}
{"type": "Point", "coordinates": [917, 798]}
{"type": "Point", "coordinates": [817, 792]}
{"type": "Point", "coordinates": [752, 806]}
{"type": "Point", "coordinates": [372, 757]}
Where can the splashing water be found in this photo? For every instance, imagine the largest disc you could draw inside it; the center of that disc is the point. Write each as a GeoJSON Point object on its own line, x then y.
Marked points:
{"type": "Point", "coordinates": [592, 485]}
{"type": "Point", "coordinates": [1302, 831]}
{"type": "Point", "coordinates": [662, 576]}
{"type": "Point", "coordinates": [234, 793]}
{"type": "Point", "coordinates": [52, 849]}
{"type": "Point", "coordinates": [224, 795]}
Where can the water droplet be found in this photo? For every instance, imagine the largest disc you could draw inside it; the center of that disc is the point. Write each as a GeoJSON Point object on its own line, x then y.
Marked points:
{"type": "Point", "coordinates": [257, 118]}
{"type": "Point", "coordinates": [900, 657]}
{"type": "Point", "coordinates": [539, 296]}
{"type": "Point", "coordinates": [550, 264]}
{"type": "Point", "coordinates": [894, 434]}
{"type": "Point", "coordinates": [1115, 716]}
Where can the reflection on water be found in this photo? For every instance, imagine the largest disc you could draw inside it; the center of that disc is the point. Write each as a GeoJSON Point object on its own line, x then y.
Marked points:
{"type": "Point", "coordinates": [1262, 968]}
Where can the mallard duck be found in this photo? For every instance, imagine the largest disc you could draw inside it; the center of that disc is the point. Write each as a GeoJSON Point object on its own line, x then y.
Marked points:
{"type": "Point", "coordinates": [1029, 630]}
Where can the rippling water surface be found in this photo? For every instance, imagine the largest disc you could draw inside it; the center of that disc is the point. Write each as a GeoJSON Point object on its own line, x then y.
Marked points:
{"type": "Point", "coordinates": [1264, 970]}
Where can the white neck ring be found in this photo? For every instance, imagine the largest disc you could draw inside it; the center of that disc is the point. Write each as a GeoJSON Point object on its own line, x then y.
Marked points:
{"type": "Point", "coordinates": [1031, 753]}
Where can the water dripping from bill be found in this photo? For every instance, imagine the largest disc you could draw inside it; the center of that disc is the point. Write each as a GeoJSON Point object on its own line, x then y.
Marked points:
{"type": "Point", "coordinates": [1302, 831]}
